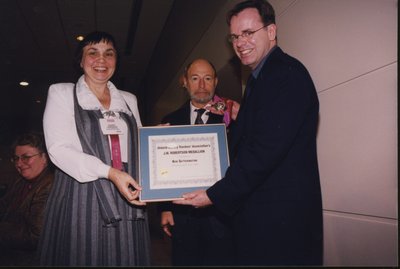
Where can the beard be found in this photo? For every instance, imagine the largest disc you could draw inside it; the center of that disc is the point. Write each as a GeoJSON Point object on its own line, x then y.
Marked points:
{"type": "Point", "coordinates": [202, 100]}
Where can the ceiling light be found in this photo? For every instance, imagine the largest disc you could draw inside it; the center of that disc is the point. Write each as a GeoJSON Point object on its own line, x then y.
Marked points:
{"type": "Point", "coordinates": [79, 38]}
{"type": "Point", "coordinates": [24, 83]}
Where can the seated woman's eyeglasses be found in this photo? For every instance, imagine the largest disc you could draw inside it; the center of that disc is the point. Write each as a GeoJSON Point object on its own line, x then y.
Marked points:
{"type": "Point", "coordinates": [246, 35]}
{"type": "Point", "coordinates": [24, 158]}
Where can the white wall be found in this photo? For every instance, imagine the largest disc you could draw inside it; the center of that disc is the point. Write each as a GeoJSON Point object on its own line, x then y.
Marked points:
{"type": "Point", "coordinates": [350, 49]}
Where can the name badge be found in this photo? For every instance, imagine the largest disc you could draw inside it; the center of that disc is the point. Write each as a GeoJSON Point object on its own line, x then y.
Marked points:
{"type": "Point", "coordinates": [111, 126]}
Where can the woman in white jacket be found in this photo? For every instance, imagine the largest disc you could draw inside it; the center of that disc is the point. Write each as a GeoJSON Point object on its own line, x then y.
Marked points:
{"type": "Point", "coordinates": [93, 217]}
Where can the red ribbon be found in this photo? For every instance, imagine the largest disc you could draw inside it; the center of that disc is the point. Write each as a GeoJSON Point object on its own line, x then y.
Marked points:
{"type": "Point", "coordinates": [116, 152]}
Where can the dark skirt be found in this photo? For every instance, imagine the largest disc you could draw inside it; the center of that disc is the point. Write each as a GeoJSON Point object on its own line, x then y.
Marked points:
{"type": "Point", "coordinates": [76, 232]}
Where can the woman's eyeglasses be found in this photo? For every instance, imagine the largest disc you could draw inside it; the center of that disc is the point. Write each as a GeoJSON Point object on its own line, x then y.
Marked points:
{"type": "Point", "coordinates": [24, 158]}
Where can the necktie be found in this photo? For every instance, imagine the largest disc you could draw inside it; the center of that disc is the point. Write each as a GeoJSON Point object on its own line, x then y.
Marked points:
{"type": "Point", "coordinates": [116, 152]}
{"type": "Point", "coordinates": [200, 112]}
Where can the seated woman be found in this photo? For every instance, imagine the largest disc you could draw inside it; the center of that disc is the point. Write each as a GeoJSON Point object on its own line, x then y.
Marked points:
{"type": "Point", "coordinates": [22, 207]}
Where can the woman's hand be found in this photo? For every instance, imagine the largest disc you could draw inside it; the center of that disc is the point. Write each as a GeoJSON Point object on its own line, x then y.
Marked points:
{"type": "Point", "coordinates": [126, 185]}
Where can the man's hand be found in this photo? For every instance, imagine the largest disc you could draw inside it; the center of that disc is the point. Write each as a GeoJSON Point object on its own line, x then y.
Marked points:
{"type": "Point", "coordinates": [167, 221]}
{"type": "Point", "coordinates": [235, 109]}
{"type": "Point", "coordinates": [197, 199]}
{"type": "Point", "coordinates": [231, 108]}
{"type": "Point", "coordinates": [126, 185]}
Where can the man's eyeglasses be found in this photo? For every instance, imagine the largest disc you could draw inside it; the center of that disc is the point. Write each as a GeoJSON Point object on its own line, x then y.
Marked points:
{"type": "Point", "coordinates": [246, 35]}
{"type": "Point", "coordinates": [24, 158]}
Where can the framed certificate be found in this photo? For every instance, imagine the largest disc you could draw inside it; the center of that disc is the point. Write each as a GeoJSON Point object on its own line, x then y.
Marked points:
{"type": "Point", "coordinates": [174, 160]}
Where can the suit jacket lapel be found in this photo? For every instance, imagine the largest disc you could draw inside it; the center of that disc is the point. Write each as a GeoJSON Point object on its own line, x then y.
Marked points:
{"type": "Point", "coordinates": [182, 116]}
{"type": "Point", "coordinates": [214, 118]}
{"type": "Point", "coordinates": [238, 129]}
{"type": "Point", "coordinates": [186, 114]}
{"type": "Point", "coordinates": [258, 84]}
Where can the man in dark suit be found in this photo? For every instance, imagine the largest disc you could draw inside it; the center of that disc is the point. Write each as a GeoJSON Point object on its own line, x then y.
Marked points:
{"type": "Point", "coordinates": [199, 236]}
{"type": "Point", "coordinates": [272, 186]}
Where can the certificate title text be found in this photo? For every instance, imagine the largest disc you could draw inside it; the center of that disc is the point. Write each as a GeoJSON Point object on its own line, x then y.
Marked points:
{"type": "Point", "coordinates": [184, 149]}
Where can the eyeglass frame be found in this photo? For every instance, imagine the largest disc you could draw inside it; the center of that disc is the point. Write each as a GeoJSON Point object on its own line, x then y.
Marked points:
{"type": "Point", "coordinates": [24, 158]}
{"type": "Point", "coordinates": [232, 38]}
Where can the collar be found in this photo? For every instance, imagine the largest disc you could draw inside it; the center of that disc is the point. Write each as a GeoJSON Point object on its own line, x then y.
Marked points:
{"type": "Point", "coordinates": [193, 114]}
{"type": "Point", "coordinates": [193, 108]}
{"type": "Point", "coordinates": [261, 64]}
{"type": "Point", "coordinates": [88, 101]}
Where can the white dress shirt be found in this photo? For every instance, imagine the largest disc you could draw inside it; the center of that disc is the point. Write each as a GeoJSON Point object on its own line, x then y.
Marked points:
{"type": "Point", "coordinates": [60, 132]}
{"type": "Point", "coordinates": [193, 114]}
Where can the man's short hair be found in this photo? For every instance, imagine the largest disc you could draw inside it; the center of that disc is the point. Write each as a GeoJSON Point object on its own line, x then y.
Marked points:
{"type": "Point", "coordinates": [264, 8]}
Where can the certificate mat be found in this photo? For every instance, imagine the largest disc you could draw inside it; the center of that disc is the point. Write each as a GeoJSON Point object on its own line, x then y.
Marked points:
{"type": "Point", "coordinates": [174, 160]}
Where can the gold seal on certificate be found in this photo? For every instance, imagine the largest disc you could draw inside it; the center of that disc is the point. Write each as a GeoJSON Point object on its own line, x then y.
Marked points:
{"type": "Point", "coordinates": [174, 160]}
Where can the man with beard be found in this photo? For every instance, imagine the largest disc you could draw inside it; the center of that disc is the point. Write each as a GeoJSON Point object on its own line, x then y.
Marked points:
{"type": "Point", "coordinates": [200, 237]}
